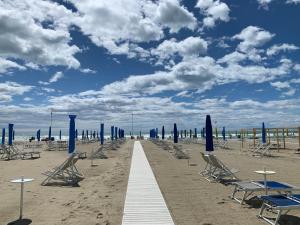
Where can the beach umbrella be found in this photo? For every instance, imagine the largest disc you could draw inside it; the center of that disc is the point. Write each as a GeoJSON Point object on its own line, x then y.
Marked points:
{"type": "Point", "coordinates": [196, 133]}
{"type": "Point", "coordinates": [203, 132]}
{"type": "Point", "coordinates": [82, 135]}
{"type": "Point", "coordinates": [10, 133]}
{"type": "Point", "coordinates": [13, 137]}
{"type": "Point", "coordinates": [91, 134]}
{"type": "Point", "coordinates": [59, 134]}
{"type": "Point", "coordinates": [163, 132]}
{"type": "Point", "coordinates": [72, 134]}
{"type": "Point", "coordinates": [190, 133]}
{"type": "Point", "coordinates": [209, 135]}
{"type": "Point", "coordinates": [97, 135]}
{"type": "Point", "coordinates": [87, 134]}
{"type": "Point", "coordinates": [181, 134]}
{"type": "Point", "coordinates": [38, 135]}
{"type": "Point", "coordinates": [184, 133]}
{"type": "Point", "coordinates": [119, 133]}
{"type": "Point", "coordinates": [116, 133]}
{"type": "Point", "coordinates": [175, 133]}
{"type": "Point", "coordinates": [224, 133]}
{"type": "Point", "coordinates": [76, 134]}
{"type": "Point", "coordinates": [49, 134]}
{"type": "Point", "coordinates": [102, 133]}
{"type": "Point", "coordinates": [112, 129]}
{"type": "Point", "coordinates": [94, 134]}
{"type": "Point", "coordinates": [3, 136]}
{"type": "Point", "coordinates": [263, 135]}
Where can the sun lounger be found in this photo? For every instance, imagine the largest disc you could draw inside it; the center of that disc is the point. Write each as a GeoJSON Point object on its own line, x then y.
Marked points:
{"type": "Point", "coordinates": [250, 187]}
{"type": "Point", "coordinates": [66, 172]}
{"type": "Point", "coordinates": [216, 170]}
{"type": "Point", "coordinates": [262, 150]}
{"type": "Point", "coordinates": [280, 204]}
{"type": "Point", "coordinates": [221, 171]}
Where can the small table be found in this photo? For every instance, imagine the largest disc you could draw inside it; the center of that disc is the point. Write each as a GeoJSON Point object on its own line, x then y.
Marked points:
{"type": "Point", "coordinates": [22, 181]}
{"type": "Point", "coordinates": [265, 173]}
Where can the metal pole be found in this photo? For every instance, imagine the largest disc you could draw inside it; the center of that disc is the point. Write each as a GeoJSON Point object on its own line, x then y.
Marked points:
{"type": "Point", "coordinates": [21, 199]}
{"type": "Point", "coordinates": [132, 124]}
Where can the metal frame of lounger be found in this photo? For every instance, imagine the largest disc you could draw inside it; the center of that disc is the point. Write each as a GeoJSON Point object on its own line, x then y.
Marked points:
{"type": "Point", "coordinates": [221, 170]}
{"type": "Point", "coordinates": [10, 152]}
{"type": "Point", "coordinates": [282, 209]}
{"type": "Point", "coordinates": [249, 187]}
{"type": "Point", "coordinates": [66, 172]}
{"type": "Point", "coordinates": [208, 169]}
{"type": "Point", "coordinates": [263, 150]}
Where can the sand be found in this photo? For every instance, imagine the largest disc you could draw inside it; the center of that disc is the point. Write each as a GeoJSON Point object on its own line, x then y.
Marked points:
{"type": "Point", "coordinates": [99, 200]}
{"type": "Point", "coordinates": [192, 200]}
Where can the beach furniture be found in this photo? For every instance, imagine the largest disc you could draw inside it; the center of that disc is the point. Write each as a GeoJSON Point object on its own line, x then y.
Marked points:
{"type": "Point", "coordinates": [262, 150]}
{"type": "Point", "coordinates": [248, 188]}
{"type": "Point", "coordinates": [221, 171]}
{"type": "Point", "coordinates": [66, 172]}
{"type": "Point", "coordinates": [57, 145]}
{"type": "Point", "coordinates": [280, 204]}
{"type": "Point", "coordinates": [216, 170]}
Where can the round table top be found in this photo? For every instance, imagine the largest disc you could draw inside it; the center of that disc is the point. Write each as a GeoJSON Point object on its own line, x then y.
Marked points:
{"type": "Point", "coordinates": [24, 180]}
{"type": "Point", "coordinates": [266, 172]}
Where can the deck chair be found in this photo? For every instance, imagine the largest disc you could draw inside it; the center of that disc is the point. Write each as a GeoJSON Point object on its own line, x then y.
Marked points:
{"type": "Point", "coordinates": [280, 204]}
{"type": "Point", "coordinates": [221, 171]}
{"type": "Point", "coordinates": [66, 172]}
{"type": "Point", "coordinates": [248, 188]}
{"type": "Point", "coordinates": [10, 152]}
{"type": "Point", "coordinates": [262, 150]}
{"type": "Point", "coordinates": [208, 169]}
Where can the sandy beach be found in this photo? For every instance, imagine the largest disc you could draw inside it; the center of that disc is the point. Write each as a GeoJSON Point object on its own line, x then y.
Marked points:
{"type": "Point", "coordinates": [99, 199]}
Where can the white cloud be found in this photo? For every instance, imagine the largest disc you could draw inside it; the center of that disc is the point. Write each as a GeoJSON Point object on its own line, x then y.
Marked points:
{"type": "Point", "coordinates": [9, 89]}
{"type": "Point", "coordinates": [264, 3]}
{"type": "Point", "coordinates": [88, 70]}
{"type": "Point", "coordinates": [25, 35]}
{"type": "Point", "coordinates": [57, 76]}
{"type": "Point", "coordinates": [6, 65]}
{"type": "Point", "coordinates": [293, 1]}
{"type": "Point", "coordinates": [275, 49]}
{"type": "Point", "coordinates": [213, 11]}
{"type": "Point", "coordinates": [170, 14]}
{"type": "Point", "coordinates": [253, 37]}
{"type": "Point", "coordinates": [189, 47]}
{"type": "Point", "coordinates": [285, 87]}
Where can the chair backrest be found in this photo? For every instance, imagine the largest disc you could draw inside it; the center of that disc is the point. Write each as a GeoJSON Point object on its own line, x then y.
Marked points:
{"type": "Point", "coordinates": [215, 162]}
{"type": "Point", "coordinates": [205, 157]}
{"type": "Point", "coordinates": [68, 162]}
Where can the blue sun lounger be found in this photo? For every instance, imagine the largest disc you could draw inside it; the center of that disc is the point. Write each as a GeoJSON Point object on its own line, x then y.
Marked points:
{"type": "Point", "coordinates": [281, 204]}
{"type": "Point", "coordinates": [250, 187]}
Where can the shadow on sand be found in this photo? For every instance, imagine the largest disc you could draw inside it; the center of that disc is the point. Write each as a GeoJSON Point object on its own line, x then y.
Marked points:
{"type": "Point", "coordinates": [20, 222]}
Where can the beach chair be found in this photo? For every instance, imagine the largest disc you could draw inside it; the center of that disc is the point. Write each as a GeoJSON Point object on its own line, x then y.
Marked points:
{"type": "Point", "coordinates": [280, 204]}
{"type": "Point", "coordinates": [221, 171]}
{"type": "Point", "coordinates": [262, 150]}
{"type": "Point", "coordinates": [208, 169]}
{"type": "Point", "coordinates": [248, 188]}
{"type": "Point", "coordinates": [66, 172]}
{"type": "Point", "coordinates": [10, 152]}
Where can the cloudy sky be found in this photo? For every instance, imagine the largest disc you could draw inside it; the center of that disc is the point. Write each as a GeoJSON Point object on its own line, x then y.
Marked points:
{"type": "Point", "coordinates": [164, 61]}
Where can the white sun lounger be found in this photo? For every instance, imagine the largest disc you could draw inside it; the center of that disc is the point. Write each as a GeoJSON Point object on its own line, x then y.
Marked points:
{"type": "Point", "coordinates": [66, 172]}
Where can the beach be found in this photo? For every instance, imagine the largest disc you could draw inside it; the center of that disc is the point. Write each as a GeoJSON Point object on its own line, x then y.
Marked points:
{"type": "Point", "coordinates": [100, 197]}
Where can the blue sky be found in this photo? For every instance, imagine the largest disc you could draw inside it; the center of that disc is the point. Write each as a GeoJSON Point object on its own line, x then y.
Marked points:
{"type": "Point", "coordinates": [165, 61]}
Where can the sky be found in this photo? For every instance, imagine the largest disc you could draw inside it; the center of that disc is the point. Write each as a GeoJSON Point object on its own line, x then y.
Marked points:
{"type": "Point", "coordinates": [163, 61]}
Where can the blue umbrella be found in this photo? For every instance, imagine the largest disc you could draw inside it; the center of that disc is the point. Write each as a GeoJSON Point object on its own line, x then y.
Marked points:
{"type": "Point", "coordinates": [82, 135]}
{"type": "Point", "coordinates": [184, 133]}
{"type": "Point", "coordinates": [13, 135]}
{"type": "Point", "coordinates": [94, 134]}
{"type": "Point", "coordinates": [102, 133]}
{"type": "Point", "coordinates": [116, 133]}
{"type": "Point", "coordinates": [175, 133]}
{"type": "Point", "coordinates": [76, 134]}
{"type": "Point", "coordinates": [223, 134]}
{"type": "Point", "coordinates": [87, 134]}
{"type": "Point", "coordinates": [59, 134]}
{"type": "Point", "coordinates": [163, 132]}
{"type": "Point", "coordinates": [112, 130]}
{"type": "Point", "coordinates": [10, 133]}
{"type": "Point", "coordinates": [3, 136]}
{"type": "Point", "coordinates": [196, 133]}
{"type": "Point", "coordinates": [72, 134]}
{"type": "Point", "coordinates": [49, 134]}
{"type": "Point", "coordinates": [190, 133]}
{"type": "Point", "coordinates": [263, 135]}
{"type": "Point", "coordinates": [209, 135]}
{"type": "Point", "coordinates": [38, 135]}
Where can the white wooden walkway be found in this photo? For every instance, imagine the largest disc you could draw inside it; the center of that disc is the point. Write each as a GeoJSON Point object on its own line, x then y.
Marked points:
{"type": "Point", "coordinates": [144, 204]}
